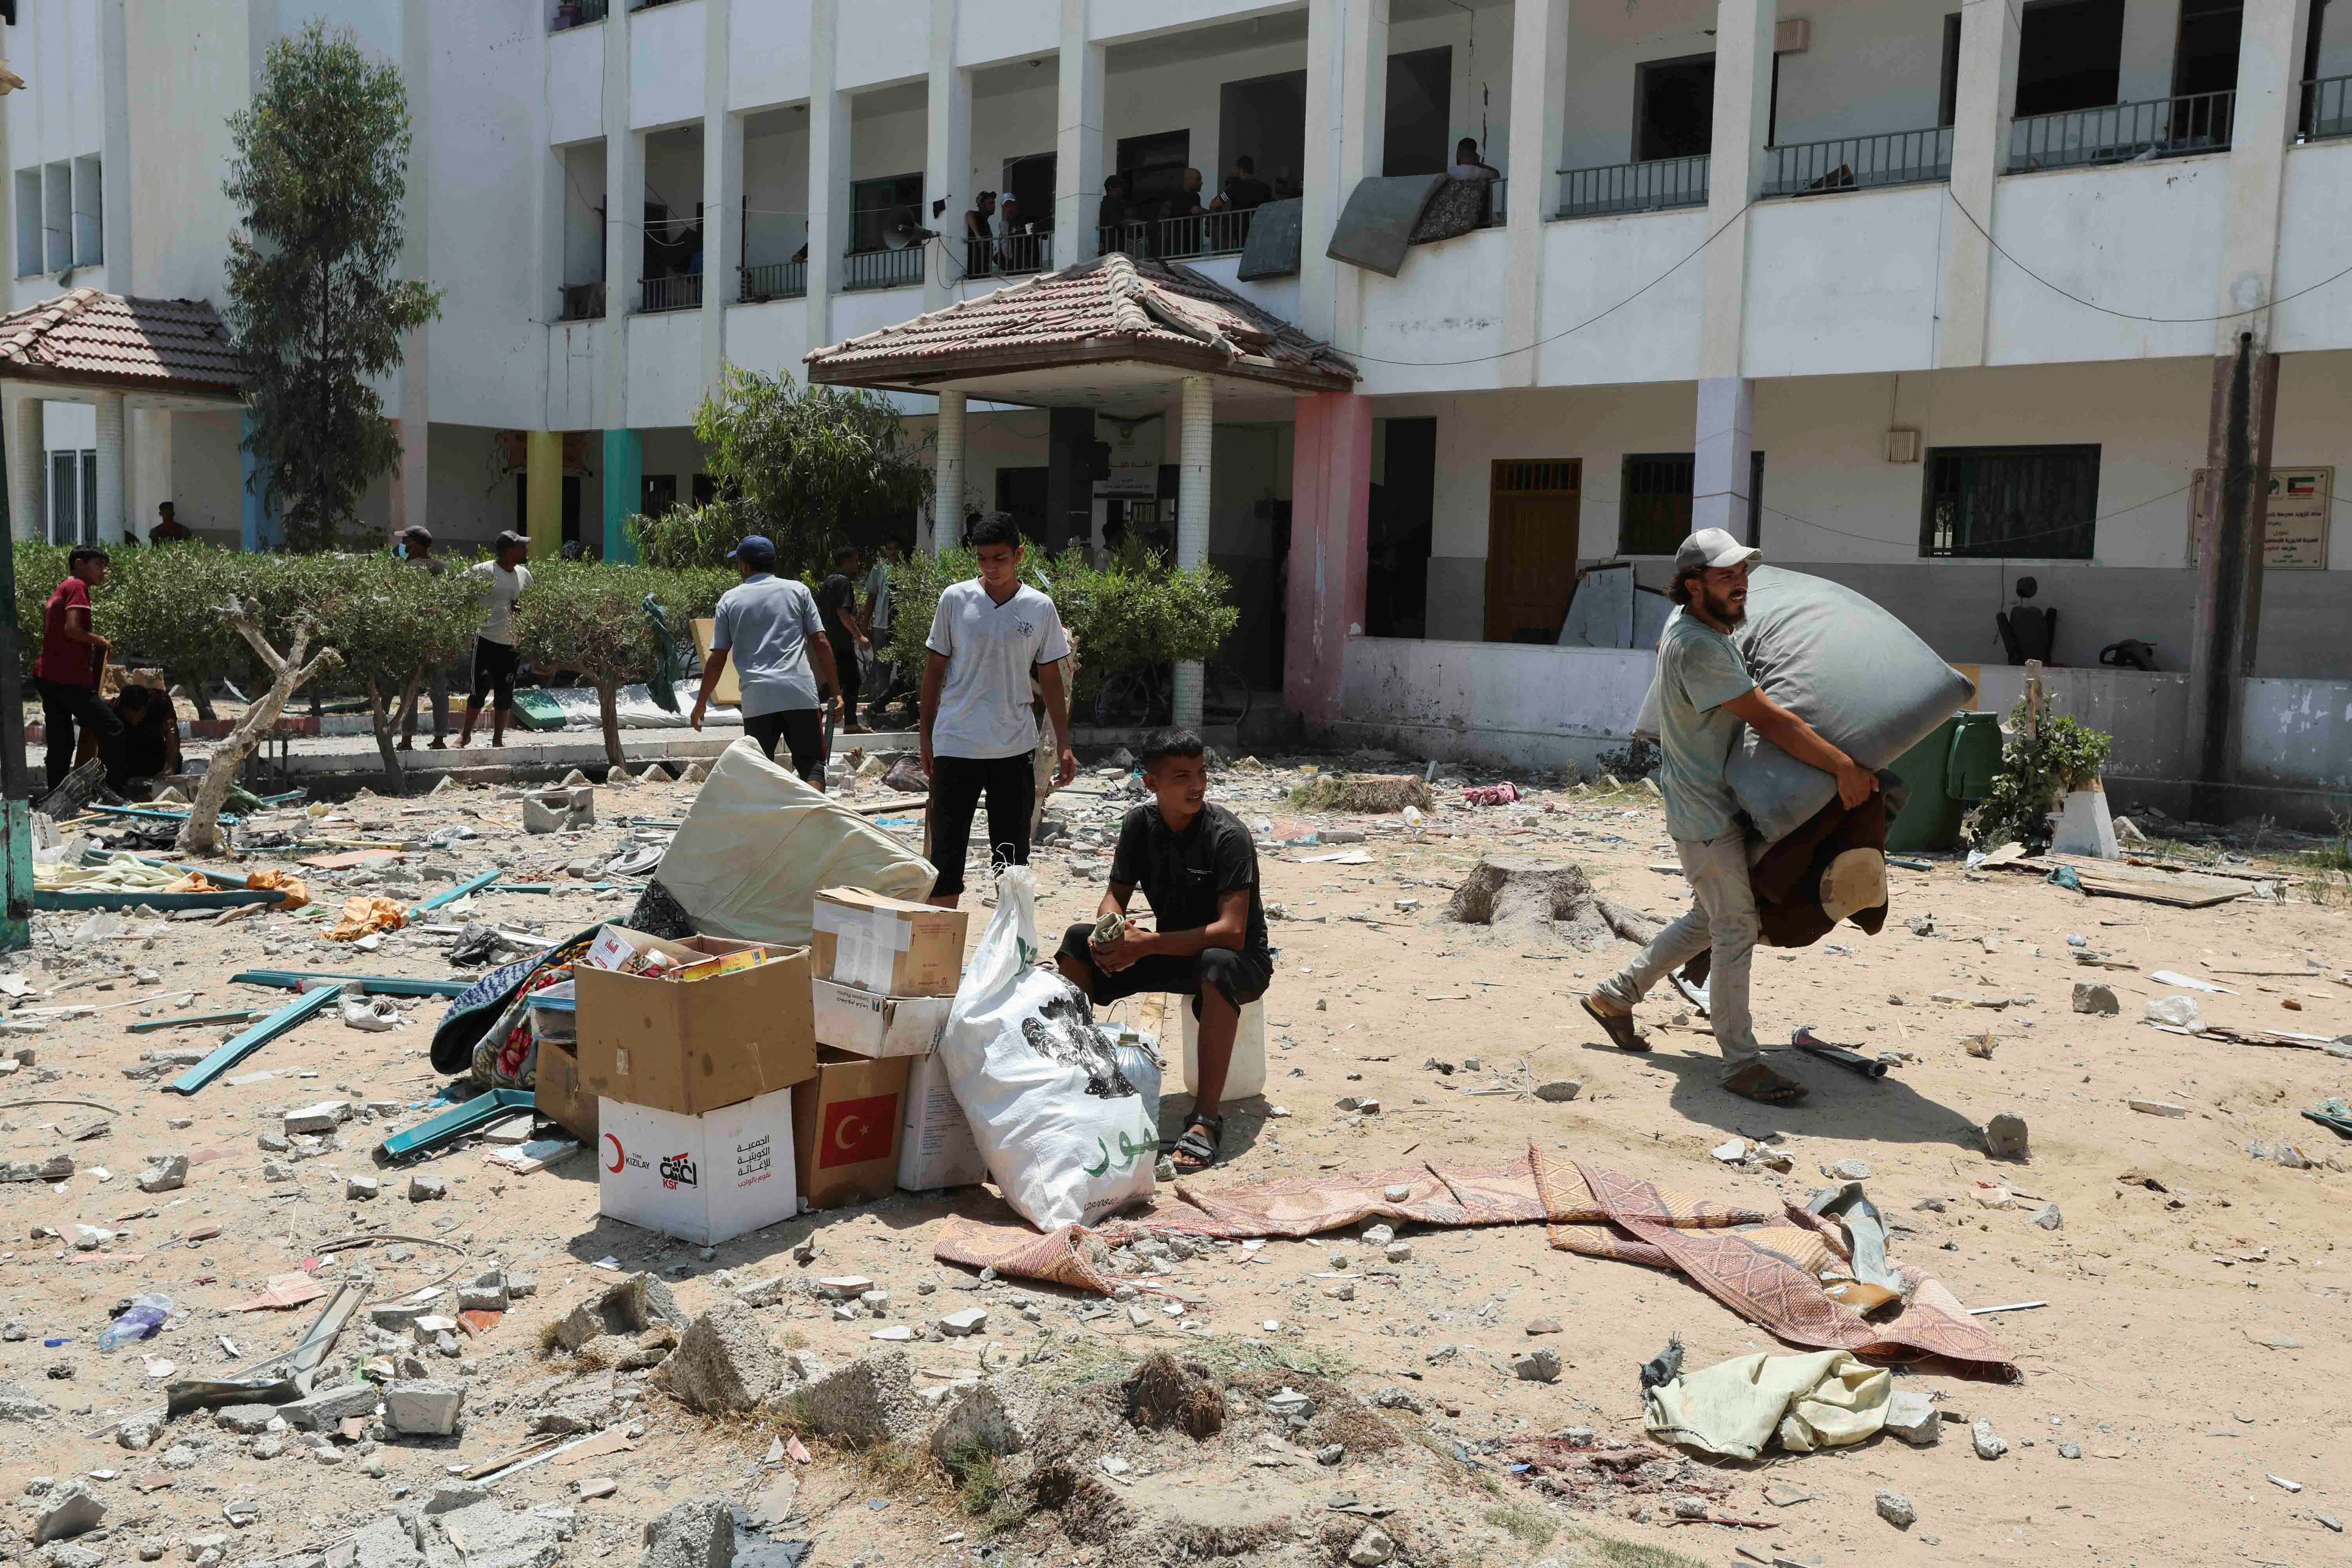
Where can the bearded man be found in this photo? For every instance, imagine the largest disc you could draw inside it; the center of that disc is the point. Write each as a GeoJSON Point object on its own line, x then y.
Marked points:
{"type": "Point", "coordinates": [1705, 695]}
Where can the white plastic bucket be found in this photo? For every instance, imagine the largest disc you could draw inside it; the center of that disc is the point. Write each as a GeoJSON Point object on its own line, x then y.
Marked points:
{"type": "Point", "coordinates": [1246, 1077]}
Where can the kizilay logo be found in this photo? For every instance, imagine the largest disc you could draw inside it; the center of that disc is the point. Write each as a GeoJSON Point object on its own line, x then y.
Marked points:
{"type": "Point", "coordinates": [678, 1171]}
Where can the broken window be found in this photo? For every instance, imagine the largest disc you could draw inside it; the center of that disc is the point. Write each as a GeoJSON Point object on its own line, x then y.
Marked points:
{"type": "Point", "coordinates": [2033, 501]}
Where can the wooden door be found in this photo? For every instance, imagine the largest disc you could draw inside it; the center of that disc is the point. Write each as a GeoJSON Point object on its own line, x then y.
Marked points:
{"type": "Point", "coordinates": [1531, 539]}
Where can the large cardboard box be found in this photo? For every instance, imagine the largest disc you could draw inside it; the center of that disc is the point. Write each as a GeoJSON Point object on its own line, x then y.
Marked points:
{"type": "Point", "coordinates": [692, 1046]}
{"type": "Point", "coordinates": [936, 1148]}
{"type": "Point", "coordinates": [560, 1096]}
{"type": "Point", "coordinates": [703, 1179]}
{"type": "Point", "coordinates": [845, 1124]}
{"type": "Point", "coordinates": [865, 1024]}
{"type": "Point", "coordinates": [889, 946]}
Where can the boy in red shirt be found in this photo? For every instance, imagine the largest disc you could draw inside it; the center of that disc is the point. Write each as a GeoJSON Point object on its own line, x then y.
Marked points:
{"type": "Point", "coordinates": [67, 672]}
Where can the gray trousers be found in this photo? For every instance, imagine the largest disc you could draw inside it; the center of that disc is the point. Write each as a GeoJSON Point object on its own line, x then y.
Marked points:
{"type": "Point", "coordinates": [1722, 917]}
{"type": "Point", "coordinates": [435, 682]}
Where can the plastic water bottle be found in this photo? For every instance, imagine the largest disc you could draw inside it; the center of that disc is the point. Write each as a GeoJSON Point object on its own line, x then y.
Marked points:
{"type": "Point", "coordinates": [142, 1320]}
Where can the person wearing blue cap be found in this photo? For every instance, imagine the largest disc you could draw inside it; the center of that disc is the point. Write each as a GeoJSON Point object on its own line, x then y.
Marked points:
{"type": "Point", "coordinates": [769, 626]}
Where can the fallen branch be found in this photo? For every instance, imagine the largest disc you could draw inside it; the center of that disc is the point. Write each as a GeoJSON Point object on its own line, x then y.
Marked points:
{"type": "Point", "coordinates": [201, 833]}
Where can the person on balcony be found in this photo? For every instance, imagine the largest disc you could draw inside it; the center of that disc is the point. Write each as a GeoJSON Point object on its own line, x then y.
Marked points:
{"type": "Point", "coordinates": [1468, 165]}
{"type": "Point", "coordinates": [1012, 228]}
{"type": "Point", "coordinates": [980, 235]}
{"type": "Point", "coordinates": [1112, 214]}
{"type": "Point", "coordinates": [1243, 190]}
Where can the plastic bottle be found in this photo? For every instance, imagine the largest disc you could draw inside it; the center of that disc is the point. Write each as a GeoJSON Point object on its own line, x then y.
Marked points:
{"type": "Point", "coordinates": [142, 1320]}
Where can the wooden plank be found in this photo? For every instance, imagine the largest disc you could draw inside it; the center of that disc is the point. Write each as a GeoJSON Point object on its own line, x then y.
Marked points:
{"type": "Point", "coordinates": [729, 692]}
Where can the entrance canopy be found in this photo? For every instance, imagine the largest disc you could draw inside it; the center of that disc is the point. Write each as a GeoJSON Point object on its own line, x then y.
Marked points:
{"type": "Point", "coordinates": [175, 353]}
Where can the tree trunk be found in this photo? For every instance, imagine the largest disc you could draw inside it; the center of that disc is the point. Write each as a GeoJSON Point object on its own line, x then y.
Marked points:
{"type": "Point", "coordinates": [200, 834]}
{"type": "Point", "coordinates": [608, 710]}
{"type": "Point", "coordinates": [383, 720]}
{"type": "Point", "coordinates": [199, 696]}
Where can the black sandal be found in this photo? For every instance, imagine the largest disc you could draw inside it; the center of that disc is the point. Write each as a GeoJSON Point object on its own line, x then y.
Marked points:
{"type": "Point", "coordinates": [1201, 1152]}
{"type": "Point", "coordinates": [1618, 1027]}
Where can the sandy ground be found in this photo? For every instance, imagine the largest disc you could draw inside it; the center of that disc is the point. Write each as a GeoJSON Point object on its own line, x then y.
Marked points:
{"type": "Point", "coordinates": [2185, 1349]}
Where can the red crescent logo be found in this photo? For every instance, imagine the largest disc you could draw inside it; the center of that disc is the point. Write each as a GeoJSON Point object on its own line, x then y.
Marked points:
{"type": "Point", "coordinates": [615, 1143]}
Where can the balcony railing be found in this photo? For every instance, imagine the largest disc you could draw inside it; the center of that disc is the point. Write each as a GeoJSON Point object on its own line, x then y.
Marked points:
{"type": "Point", "coordinates": [2123, 133]}
{"type": "Point", "coordinates": [862, 269]}
{"type": "Point", "coordinates": [1180, 238]}
{"type": "Point", "coordinates": [1858, 163]}
{"type": "Point", "coordinates": [1657, 185]}
{"type": "Point", "coordinates": [1497, 215]}
{"type": "Point", "coordinates": [570, 14]}
{"type": "Point", "coordinates": [2328, 107]}
{"type": "Point", "coordinates": [774, 281]}
{"type": "Point", "coordinates": [582, 303]}
{"type": "Point", "coordinates": [1012, 255]}
{"type": "Point", "coordinates": [683, 292]}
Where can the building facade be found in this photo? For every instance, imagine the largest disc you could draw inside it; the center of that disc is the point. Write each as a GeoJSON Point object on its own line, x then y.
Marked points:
{"type": "Point", "coordinates": [1925, 297]}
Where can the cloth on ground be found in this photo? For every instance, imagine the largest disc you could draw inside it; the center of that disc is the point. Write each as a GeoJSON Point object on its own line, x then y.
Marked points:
{"type": "Point", "coordinates": [475, 1010]}
{"type": "Point", "coordinates": [366, 915]}
{"type": "Point", "coordinates": [1738, 1407]}
{"type": "Point", "coordinates": [1791, 877]}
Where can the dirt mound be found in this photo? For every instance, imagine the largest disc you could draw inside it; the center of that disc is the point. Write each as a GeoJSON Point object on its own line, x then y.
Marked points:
{"type": "Point", "coordinates": [1365, 793]}
{"type": "Point", "coordinates": [1518, 896]}
{"type": "Point", "coordinates": [1166, 1393]}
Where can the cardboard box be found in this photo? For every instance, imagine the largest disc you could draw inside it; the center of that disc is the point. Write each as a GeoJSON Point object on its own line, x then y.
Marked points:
{"type": "Point", "coordinates": [888, 946]}
{"type": "Point", "coordinates": [692, 1046]}
{"type": "Point", "coordinates": [936, 1148]}
{"type": "Point", "coordinates": [865, 1024]}
{"type": "Point", "coordinates": [560, 1096]}
{"type": "Point", "coordinates": [845, 1124]}
{"type": "Point", "coordinates": [703, 1179]}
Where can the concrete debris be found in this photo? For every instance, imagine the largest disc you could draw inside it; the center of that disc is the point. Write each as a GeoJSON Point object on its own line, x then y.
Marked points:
{"type": "Point", "coordinates": [487, 1536]}
{"type": "Point", "coordinates": [870, 1401]}
{"type": "Point", "coordinates": [450, 1496]}
{"type": "Point", "coordinates": [1537, 1365]}
{"type": "Point", "coordinates": [723, 1361]}
{"type": "Point", "coordinates": [2180, 1012]}
{"type": "Point", "coordinates": [2157, 1108]}
{"type": "Point", "coordinates": [2048, 1217]}
{"type": "Point", "coordinates": [166, 1175]}
{"type": "Point", "coordinates": [1988, 1444]}
{"type": "Point", "coordinates": [1371, 1548]}
{"type": "Point", "coordinates": [1559, 1090]}
{"type": "Point", "coordinates": [970, 1321]}
{"type": "Point", "coordinates": [2005, 1137]}
{"type": "Point", "coordinates": [1896, 1510]}
{"type": "Point", "coordinates": [323, 1411]}
{"type": "Point", "coordinates": [423, 1408]}
{"type": "Point", "coordinates": [359, 1189]}
{"type": "Point", "coordinates": [635, 1304]}
{"type": "Point", "coordinates": [1912, 1417]}
{"type": "Point", "coordinates": [2099, 1001]}
{"type": "Point", "coordinates": [68, 1511]}
{"type": "Point", "coordinates": [426, 1189]}
{"type": "Point", "coordinates": [696, 1533]}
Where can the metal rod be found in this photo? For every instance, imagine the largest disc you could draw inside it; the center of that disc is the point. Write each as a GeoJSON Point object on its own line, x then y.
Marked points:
{"type": "Point", "coordinates": [472, 884]}
{"type": "Point", "coordinates": [369, 984]}
{"type": "Point", "coordinates": [252, 1039]}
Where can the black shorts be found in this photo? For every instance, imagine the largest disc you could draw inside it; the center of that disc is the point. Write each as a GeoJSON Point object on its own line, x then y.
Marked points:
{"type": "Point", "coordinates": [494, 671]}
{"type": "Point", "coordinates": [1239, 977]}
{"type": "Point", "coordinates": [802, 735]}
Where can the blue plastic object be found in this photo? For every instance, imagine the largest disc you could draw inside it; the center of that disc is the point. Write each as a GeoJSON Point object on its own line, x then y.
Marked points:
{"type": "Point", "coordinates": [454, 1124]}
{"type": "Point", "coordinates": [250, 1040]}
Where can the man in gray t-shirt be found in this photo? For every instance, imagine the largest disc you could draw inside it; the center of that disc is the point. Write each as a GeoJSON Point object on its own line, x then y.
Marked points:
{"type": "Point", "coordinates": [768, 626]}
{"type": "Point", "coordinates": [1705, 697]}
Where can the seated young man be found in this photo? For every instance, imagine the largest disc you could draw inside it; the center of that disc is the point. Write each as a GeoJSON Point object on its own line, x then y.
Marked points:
{"type": "Point", "coordinates": [1197, 866]}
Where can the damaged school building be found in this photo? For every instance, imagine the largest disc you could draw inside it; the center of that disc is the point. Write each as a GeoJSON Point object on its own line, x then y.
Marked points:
{"type": "Point", "coordinates": [1933, 300]}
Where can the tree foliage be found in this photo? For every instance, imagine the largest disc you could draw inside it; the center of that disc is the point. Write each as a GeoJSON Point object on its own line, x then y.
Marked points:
{"type": "Point", "coordinates": [806, 466]}
{"type": "Point", "coordinates": [319, 172]}
{"type": "Point", "coordinates": [589, 617]}
{"type": "Point", "coordinates": [2043, 757]}
{"type": "Point", "coordinates": [688, 536]}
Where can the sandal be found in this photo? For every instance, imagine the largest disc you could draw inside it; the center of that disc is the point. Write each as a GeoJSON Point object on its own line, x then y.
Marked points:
{"type": "Point", "coordinates": [1618, 1027]}
{"type": "Point", "coordinates": [1196, 1153]}
{"type": "Point", "coordinates": [1757, 1081]}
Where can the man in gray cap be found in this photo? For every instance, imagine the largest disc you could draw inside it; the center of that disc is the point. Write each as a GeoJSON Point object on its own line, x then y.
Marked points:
{"type": "Point", "coordinates": [1704, 694]}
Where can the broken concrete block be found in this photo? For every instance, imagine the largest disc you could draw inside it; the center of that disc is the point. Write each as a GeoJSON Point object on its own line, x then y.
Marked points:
{"type": "Point", "coordinates": [1912, 1417]}
{"type": "Point", "coordinates": [168, 1175]}
{"type": "Point", "coordinates": [245, 1420]}
{"type": "Point", "coordinates": [361, 1189]}
{"type": "Point", "coordinates": [1537, 1365]}
{"type": "Point", "coordinates": [1988, 1445]}
{"type": "Point", "coordinates": [2180, 1012]}
{"type": "Point", "coordinates": [1559, 1090]}
{"type": "Point", "coordinates": [330, 1407]}
{"type": "Point", "coordinates": [2157, 1108]}
{"type": "Point", "coordinates": [322, 1118]}
{"type": "Point", "coordinates": [616, 775]}
{"type": "Point", "coordinates": [870, 1401]}
{"type": "Point", "coordinates": [634, 1305]}
{"type": "Point", "coordinates": [1896, 1510]}
{"type": "Point", "coordinates": [449, 1497]}
{"type": "Point", "coordinates": [2099, 1001]}
{"type": "Point", "coordinates": [487, 1536]}
{"type": "Point", "coordinates": [423, 1408]}
{"type": "Point", "coordinates": [482, 1298]}
{"type": "Point", "coordinates": [559, 810]}
{"type": "Point", "coordinates": [67, 1510]}
{"type": "Point", "coordinates": [2049, 1218]}
{"type": "Point", "coordinates": [970, 1321]}
{"type": "Point", "coordinates": [654, 773]}
{"type": "Point", "coordinates": [763, 1292]}
{"type": "Point", "coordinates": [426, 1189]}
{"type": "Point", "coordinates": [696, 1533]}
{"type": "Point", "coordinates": [724, 1362]}
{"type": "Point", "coordinates": [2005, 1136]}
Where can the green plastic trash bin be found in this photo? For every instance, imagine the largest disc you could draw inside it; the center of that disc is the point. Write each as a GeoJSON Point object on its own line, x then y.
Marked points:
{"type": "Point", "coordinates": [1947, 772]}
{"type": "Point", "coordinates": [535, 710]}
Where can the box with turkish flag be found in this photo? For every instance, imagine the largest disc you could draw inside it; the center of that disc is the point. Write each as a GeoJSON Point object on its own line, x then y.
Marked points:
{"type": "Point", "coordinates": [845, 1125]}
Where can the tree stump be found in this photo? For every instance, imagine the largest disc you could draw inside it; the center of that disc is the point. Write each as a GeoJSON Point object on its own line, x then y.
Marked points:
{"type": "Point", "coordinates": [1511, 889]}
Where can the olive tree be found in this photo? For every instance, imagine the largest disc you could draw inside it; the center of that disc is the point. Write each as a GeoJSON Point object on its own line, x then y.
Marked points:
{"type": "Point", "coordinates": [591, 617]}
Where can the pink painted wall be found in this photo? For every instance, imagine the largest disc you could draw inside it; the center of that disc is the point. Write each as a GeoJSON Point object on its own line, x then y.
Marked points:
{"type": "Point", "coordinates": [1330, 499]}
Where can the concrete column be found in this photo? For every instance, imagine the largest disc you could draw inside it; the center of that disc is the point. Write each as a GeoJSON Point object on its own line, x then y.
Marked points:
{"type": "Point", "coordinates": [28, 467]}
{"type": "Point", "coordinates": [396, 487]}
{"type": "Point", "coordinates": [625, 224]}
{"type": "Point", "coordinates": [1346, 108]}
{"type": "Point", "coordinates": [1330, 502]}
{"type": "Point", "coordinates": [947, 155]}
{"type": "Point", "coordinates": [1539, 88]}
{"type": "Point", "coordinates": [722, 192]}
{"type": "Point", "coordinates": [947, 475]}
{"type": "Point", "coordinates": [1983, 110]}
{"type": "Point", "coordinates": [624, 485]}
{"type": "Point", "coordinates": [543, 495]}
{"type": "Point", "coordinates": [256, 518]}
{"type": "Point", "coordinates": [1726, 403]}
{"type": "Point", "coordinates": [149, 431]}
{"type": "Point", "coordinates": [412, 502]}
{"type": "Point", "coordinates": [2270, 76]}
{"type": "Point", "coordinates": [109, 468]}
{"type": "Point", "coordinates": [828, 175]}
{"type": "Point", "coordinates": [1194, 440]}
{"type": "Point", "coordinates": [114, 149]}
{"type": "Point", "coordinates": [2225, 632]}
{"type": "Point", "coordinates": [1078, 146]}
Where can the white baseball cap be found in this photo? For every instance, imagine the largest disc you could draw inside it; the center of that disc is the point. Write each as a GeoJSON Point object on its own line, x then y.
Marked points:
{"type": "Point", "coordinates": [1713, 547]}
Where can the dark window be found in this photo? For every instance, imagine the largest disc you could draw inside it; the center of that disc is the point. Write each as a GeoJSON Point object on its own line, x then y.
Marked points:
{"type": "Point", "coordinates": [2206, 58]}
{"type": "Point", "coordinates": [2070, 56]}
{"type": "Point", "coordinates": [1029, 180]}
{"type": "Point", "coordinates": [661, 494]}
{"type": "Point", "coordinates": [1654, 512]}
{"type": "Point", "coordinates": [2032, 501]}
{"type": "Point", "coordinates": [1948, 90]}
{"type": "Point", "coordinates": [1402, 526]}
{"type": "Point", "coordinates": [1673, 108]}
{"type": "Point", "coordinates": [1154, 166]}
{"type": "Point", "coordinates": [877, 205]}
{"type": "Point", "coordinates": [1263, 118]}
{"type": "Point", "coordinates": [1416, 139]}
{"type": "Point", "coordinates": [570, 506]}
{"type": "Point", "coordinates": [1021, 492]}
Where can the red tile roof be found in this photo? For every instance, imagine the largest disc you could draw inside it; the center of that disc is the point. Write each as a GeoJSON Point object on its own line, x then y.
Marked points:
{"type": "Point", "coordinates": [91, 337]}
{"type": "Point", "coordinates": [1116, 307]}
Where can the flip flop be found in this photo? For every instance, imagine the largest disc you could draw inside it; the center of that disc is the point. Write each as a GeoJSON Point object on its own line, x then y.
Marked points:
{"type": "Point", "coordinates": [1757, 1081]}
{"type": "Point", "coordinates": [1618, 1027]}
{"type": "Point", "coordinates": [1199, 1150]}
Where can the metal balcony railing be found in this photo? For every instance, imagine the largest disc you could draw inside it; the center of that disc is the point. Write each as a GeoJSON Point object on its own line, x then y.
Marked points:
{"type": "Point", "coordinates": [1657, 185]}
{"type": "Point", "coordinates": [862, 269]}
{"type": "Point", "coordinates": [1497, 214]}
{"type": "Point", "coordinates": [1013, 255]}
{"type": "Point", "coordinates": [683, 292]}
{"type": "Point", "coordinates": [570, 14]}
{"type": "Point", "coordinates": [1858, 163]}
{"type": "Point", "coordinates": [2328, 107]}
{"type": "Point", "coordinates": [582, 302]}
{"type": "Point", "coordinates": [1180, 238]}
{"type": "Point", "coordinates": [2123, 133]}
{"type": "Point", "coordinates": [774, 281]}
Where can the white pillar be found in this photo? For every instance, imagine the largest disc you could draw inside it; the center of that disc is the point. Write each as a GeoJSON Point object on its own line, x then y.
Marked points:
{"type": "Point", "coordinates": [1983, 109]}
{"type": "Point", "coordinates": [1539, 86]}
{"type": "Point", "coordinates": [947, 474]}
{"type": "Point", "coordinates": [150, 484]}
{"type": "Point", "coordinates": [28, 467]}
{"type": "Point", "coordinates": [1194, 440]}
{"type": "Point", "coordinates": [1725, 416]}
{"type": "Point", "coordinates": [625, 225]}
{"type": "Point", "coordinates": [828, 173]}
{"type": "Point", "coordinates": [1078, 148]}
{"type": "Point", "coordinates": [947, 156]}
{"type": "Point", "coordinates": [2270, 77]}
{"type": "Point", "coordinates": [722, 192]}
{"type": "Point", "coordinates": [114, 148]}
{"type": "Point", "coordinates": [109, 468]}
{"type": "Point", "coordinates": [1346, 105]}
{"type": "Point", "coordinates": [412, 507]}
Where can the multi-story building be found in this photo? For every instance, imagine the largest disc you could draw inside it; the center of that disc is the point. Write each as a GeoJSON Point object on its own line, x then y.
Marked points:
{"type": "Point", "coordinates": [1927, 296]}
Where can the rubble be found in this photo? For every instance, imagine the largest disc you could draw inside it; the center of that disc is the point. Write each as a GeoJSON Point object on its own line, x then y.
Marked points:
{"type": "Point", "coordinates": [723, 1361]}
{"type": "Point", "coordinates": [2096, 1000]}
{"type": "Point", "coordinates": [696, 1533]}
{"type": "Point", "coordinates": [1989, 1446]}
{"type": "Point", "coordinates": [1912, 1416]}
{"type": "Point", "coordinates": [1896, 1510]}
{"type": "Point", "coordinates": [634, 1305]}
{"type": "Point", "coordinates": [872, 1400]}
{"type": "Point", "coordinates": [421, 1407]}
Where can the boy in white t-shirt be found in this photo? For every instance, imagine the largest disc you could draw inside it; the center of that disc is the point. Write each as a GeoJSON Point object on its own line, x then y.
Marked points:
{"type": "Point", "coordinates": [978, 732]}
{"type": "Point", "coordinates": [504, 578]}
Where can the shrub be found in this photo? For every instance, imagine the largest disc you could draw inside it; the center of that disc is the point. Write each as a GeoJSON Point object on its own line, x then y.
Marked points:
{"type": "Point", "coordinates": [2040, 763]}
{"type": "Point", "coordinates": [391, 620]}
{"type": "Point", "coordinates": [40, 569]}
{"type": "Point", "coordinates": [690, 536]}
{"type": "Point", "coordinates": [589, 616]}
{"type": "Point", "coordinates": [806, 466]}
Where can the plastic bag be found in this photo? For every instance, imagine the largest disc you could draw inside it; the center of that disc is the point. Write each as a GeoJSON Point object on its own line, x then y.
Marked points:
{"type": "Point", "coordinates": [1066, 1130]}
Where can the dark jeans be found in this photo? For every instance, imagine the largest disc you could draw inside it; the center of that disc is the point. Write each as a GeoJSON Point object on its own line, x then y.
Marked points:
{"type": "Point", "coordinates": [802, 732]}
{"type": "Point", "coordinates": [845, 665]}
{"type": "Point", "coordinates": [494, 672]}
{"type": "Point", "coordinates": [1238, 977]}
{"type": "Point", "coordinates": [957, 786]}
{"type": "Point", "coordinates": [63, 707]}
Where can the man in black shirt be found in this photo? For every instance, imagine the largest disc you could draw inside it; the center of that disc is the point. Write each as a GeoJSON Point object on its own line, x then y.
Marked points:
{"type": "Point", "coordinates": [837, 601]}
{"type": "Point", "coordinates": [1195, 863]}
{"type": "Point", "coordinates": [1243, 192]}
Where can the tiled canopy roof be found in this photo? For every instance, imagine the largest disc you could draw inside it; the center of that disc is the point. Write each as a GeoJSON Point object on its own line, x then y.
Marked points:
{"type": "Point", "coordinates": [87, 338]}
{"type": "Point", "coordinates": [1115, 308]}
